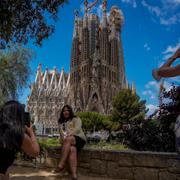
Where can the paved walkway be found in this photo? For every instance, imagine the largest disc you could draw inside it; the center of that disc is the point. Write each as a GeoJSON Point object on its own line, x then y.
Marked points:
{"type": "Point", "coordinates": [26, 173]}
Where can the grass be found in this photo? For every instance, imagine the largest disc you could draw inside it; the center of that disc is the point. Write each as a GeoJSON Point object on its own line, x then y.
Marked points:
{"type": "Point", "coordinates": [107, 146]}
{"type": "Point", "coordinates": [49, 142]}
{"type": "Point", "coordinates": [102, 145]}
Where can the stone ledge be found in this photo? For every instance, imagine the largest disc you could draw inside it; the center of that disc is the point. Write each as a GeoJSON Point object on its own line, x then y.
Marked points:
{"type": "Point", "coordinates": [129, 165]}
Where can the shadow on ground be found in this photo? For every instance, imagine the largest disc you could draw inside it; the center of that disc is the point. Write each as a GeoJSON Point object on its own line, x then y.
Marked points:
{"type": "Point", "coordinates": [27, 173]}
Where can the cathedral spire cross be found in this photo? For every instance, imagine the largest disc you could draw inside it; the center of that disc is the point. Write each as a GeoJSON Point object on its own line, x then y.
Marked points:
{"type": "Point", "coordinates": [88, 8]}
{"type": "Point", "coordinates": [104, 6]}
{"type": "Point", "coordinates": [76, 13]}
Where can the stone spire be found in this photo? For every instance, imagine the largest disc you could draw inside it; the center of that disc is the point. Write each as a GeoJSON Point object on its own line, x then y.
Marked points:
{"type": "Point", "coordinates": [38, 74]}
{"type": "Point", "coordinates": [133, 89]}
{"type": "Point", "coordinates": [104, 8]}
{"type": "Point", "coordinates": [85, 19]}
{"type": "Point", "coordinates": [46, 81]}
{"type": "Point", "coordinates": [54, 83]}
{"type": "Point", "coordinates": [75, 34]}
{"type": "Point", "coordinates": [113, 30]}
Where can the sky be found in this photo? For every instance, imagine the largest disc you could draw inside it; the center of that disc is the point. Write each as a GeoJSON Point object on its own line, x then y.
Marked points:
{"type": "Point", "coordinates": [150, 34]}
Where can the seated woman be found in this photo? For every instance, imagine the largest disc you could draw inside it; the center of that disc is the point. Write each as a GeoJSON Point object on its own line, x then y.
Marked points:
{"type": "Point", "coordinates": [14, 136]}
{"type": "Point", "coordinates": [73, 139]}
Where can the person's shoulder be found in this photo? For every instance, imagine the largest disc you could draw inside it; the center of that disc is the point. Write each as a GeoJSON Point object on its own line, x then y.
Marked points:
{"type": "Point", "coordinates": [76, 118]}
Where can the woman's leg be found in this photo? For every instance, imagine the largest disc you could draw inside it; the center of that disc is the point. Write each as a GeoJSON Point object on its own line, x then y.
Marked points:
{"type": "Point", "coordinates": [4, 177]}
{"type": "Point", "coordinates": [68, 142]}
{"type": "Point", "coordinates": [73, 161]}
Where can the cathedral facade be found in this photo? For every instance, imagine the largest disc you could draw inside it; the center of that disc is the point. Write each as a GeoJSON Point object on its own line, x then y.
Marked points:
{"type": "Point", "coordinates": [48, 95]}
{"type": "Point", "coordinates": [97, 64]}
{"type": "Point", "coordinates": [97, 71]}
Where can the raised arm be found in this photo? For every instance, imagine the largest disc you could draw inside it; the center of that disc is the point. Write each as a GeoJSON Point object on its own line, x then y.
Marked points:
{"type": "Point", "coordinates": [30, 145]}
{"type": "Point", "coordinates": [166, 70]}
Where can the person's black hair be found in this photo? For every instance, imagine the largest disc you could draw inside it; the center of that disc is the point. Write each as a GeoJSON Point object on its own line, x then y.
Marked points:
{"type": "Point", "coordinates": [71, 114]}
{"type": "Point", "coordinates": [11, 125]}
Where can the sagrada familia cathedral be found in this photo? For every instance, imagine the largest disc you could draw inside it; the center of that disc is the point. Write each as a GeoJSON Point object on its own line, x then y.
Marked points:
{"type": "Point", "coordinates": [97, 70]}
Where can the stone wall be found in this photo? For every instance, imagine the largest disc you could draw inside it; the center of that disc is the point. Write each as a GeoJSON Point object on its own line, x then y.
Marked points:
{"type": "Point", "coordinates": [124, 165]}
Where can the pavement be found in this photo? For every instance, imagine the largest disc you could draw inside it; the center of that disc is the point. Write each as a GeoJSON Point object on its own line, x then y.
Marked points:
{"type": "Point", "coordinates": [28, 173]}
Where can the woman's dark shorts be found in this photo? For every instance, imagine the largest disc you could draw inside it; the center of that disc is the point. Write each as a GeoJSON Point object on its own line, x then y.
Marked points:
{"type": "Point", "coordinates": [79, 143]}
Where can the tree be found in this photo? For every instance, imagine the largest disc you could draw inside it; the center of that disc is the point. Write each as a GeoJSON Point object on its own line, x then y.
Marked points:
{"type": "Point", "coordinates": [91, 121]}
{"type": "Point", "coordinates": [21, 20]}
{"type": "Point", "coordinates": [156, 133]}
{"type": "Point", "coordinates": [167, 114]}
{"type": "Point", "coordinates": [127, 108]}
{"type": "Point", "coordinates": [14, 71]}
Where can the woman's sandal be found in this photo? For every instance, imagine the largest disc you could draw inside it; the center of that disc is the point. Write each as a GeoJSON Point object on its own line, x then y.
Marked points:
{"type": "Point", "coordinates": [73, 178]}
{"type": "Point", "coordinates": [58, 170]}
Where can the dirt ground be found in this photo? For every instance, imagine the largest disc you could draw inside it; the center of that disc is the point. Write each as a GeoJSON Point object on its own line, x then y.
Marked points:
{"type": "Point", "coordinates": [26, 173]}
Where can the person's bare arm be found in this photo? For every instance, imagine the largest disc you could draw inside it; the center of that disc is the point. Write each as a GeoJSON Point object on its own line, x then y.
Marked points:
{"type": "Point", "coordinates": [166, 70]}
{"type": "Point", "coordinates": [30, 145]}
{"type": "Point", "coordinates": [169, 71]}
{"type": "Point", "coordinates": [171, 59]}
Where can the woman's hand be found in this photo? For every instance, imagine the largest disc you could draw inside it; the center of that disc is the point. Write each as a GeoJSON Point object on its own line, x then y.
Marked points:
{"type": "Point", "coordinates": [29, 130]}
{"type": "Point", "coordinates": [177, 54]}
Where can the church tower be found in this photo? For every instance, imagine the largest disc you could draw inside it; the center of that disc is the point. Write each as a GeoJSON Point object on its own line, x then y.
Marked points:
{"type": "Point", "coordinates": [97, 70]}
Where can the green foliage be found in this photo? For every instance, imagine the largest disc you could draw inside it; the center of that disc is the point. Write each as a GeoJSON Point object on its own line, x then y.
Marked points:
{"type": "Point", "coordinates": [22, 20]}
{"type": "Point", "coordinates": [167, 114]}
{"type": "Point", "coordinates": [107, 146]}
{"type": "Point", "coordinates": [93, 121]}
{"type": "Point", "coordinates": [55, 142]}
{"type": "Point", "coordinates": [14, 71]}
{"type": "Point", "coordinates": [157, 132]}
{"type": "Point", "coordinates": [49, 142]}
{"type": "Point", "coordinates": [127, 108]}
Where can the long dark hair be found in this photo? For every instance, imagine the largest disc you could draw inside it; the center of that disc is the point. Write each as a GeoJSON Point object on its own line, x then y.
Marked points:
{"type": "Point", "coordinates": [11, 125]}
{"type": "Point", "coordinates": [71, 114]}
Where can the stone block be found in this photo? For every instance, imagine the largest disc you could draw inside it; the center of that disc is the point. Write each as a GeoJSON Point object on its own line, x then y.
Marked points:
{"type": "Point", "coordinates": [84, 165]}
{"type": "Point", "coordinates": [98, 155]}
{"type": "Point", "coordinates": [125, 160]}
{"type": "Point", "coordinates": [84, 171]}
{"type": "Point", "coordinates": [111, 156]}
{"type": "Point", "coordinates": [98, 166]}
{"type": "Point", "coordinates": [145, 174]}
{"type": "Point", "coordinates": [84, 156]}
{"type": "Point", "coordinates": [174, 166]}
{"type": "Point", "coordinates": [166, 176]}
{"type": "Point", "coordinates": [116, 172]}
{"type": "Point", "coordinates": [145, 160]}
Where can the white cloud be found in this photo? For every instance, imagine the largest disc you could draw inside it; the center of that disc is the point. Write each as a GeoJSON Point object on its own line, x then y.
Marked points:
{"type": "Point", "coordinates": [167, 11]}
{"type": "Point", "coordinates": [174, 2]}
{"type": "Point", "coordinates": [151, 108]}
{"type": "Point", "coordinates": [152, 84]}
{"type": "Point", "coordinates": [153, 9]}
{"type": "Point", "coordinates": [149, 93]}
{"type": "Point", "coordinates": [168, 52]}
{"type": "Point", "coordinates": [146, 46]}
{"type": "Point", "coordinates": [172, 48]}
{"type": "Point", "coordinates": [169, 21]}
{"type": "Point", "coordinates": [133, 3]}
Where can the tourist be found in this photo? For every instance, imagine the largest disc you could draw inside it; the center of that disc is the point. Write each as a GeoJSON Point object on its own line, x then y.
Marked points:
{"type": "Point", "coordinates": [14, 136]}
{"type": "Point", "coordinates": [166, 70]}
{"type": "Point", "coordinates": [73, 140]}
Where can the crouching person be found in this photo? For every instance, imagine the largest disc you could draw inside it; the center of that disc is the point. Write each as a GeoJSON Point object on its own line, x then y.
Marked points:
{"type": "Point", "coordinates": [14, 136]}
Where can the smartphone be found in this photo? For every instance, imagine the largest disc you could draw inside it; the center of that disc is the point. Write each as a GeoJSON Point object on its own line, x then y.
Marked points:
{"type": "Point", "coordinates": [27, 119]}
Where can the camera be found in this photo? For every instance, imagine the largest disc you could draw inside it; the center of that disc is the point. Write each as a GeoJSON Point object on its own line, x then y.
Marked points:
{"type": "Point", "coordinates": [27, 119]}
